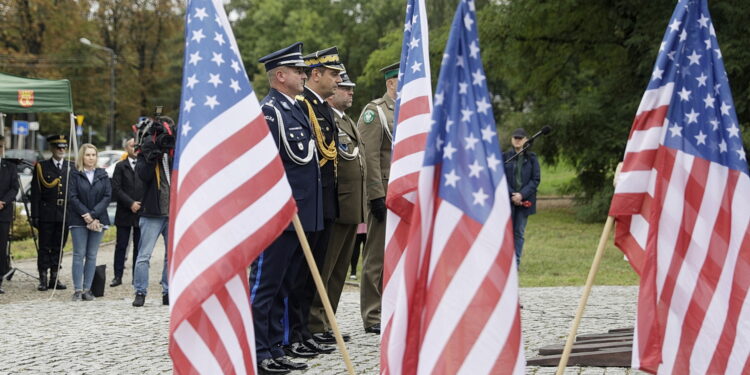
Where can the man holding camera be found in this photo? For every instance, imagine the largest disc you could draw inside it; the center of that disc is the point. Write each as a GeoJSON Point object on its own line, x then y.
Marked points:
{"type": "Point", "coordinates": [48, 186]}
{"type": "Point", "coordinates": [153, 170]}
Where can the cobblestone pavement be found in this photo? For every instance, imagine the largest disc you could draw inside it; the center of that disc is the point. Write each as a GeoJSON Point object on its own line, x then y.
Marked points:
{"type": "Point", "coordinates": [43, 335]}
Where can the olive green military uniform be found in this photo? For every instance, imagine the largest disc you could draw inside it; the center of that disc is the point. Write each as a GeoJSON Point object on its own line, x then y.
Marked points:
{"type": "Point", "coordinates": [376, 126]}
{"type": "Point", "coordinates": [352, 200]}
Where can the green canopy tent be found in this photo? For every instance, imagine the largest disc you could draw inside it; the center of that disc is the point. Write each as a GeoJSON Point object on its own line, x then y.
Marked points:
{"type": "Point", "coordinates": [24, 95]}
{"type": "Point", "coordinates": [28, 95]}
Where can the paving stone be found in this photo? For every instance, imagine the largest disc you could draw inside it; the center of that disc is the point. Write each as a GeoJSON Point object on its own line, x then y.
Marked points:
{"type": "Point", "coordinates": [46, 333]}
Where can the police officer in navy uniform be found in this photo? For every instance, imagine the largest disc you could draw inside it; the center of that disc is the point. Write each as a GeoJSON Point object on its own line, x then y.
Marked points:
{"type": "Point", "coordinates": [48, 186]}
{"type": "Point", "coordinates": [323, 68]}
{"type": "Point", "coordinates": [275, 271]}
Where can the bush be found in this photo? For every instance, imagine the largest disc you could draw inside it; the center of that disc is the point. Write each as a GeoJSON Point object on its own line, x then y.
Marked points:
{"type": "Point", "coordinates": [595, 208]}
{"type": "Point", "coordinates": [21, 229]}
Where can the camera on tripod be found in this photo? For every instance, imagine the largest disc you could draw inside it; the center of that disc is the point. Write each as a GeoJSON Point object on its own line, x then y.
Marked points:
{"type": "Point", "coordinates": [155, 135]}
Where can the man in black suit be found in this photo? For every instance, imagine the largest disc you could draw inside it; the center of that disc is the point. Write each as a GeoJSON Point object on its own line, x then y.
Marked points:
{"type": "Point", "coordinates": [128, 204]}
{"type": "Point", "coordinates": [48, 186]}
{"type": "Point", "coordinates": [8, 191]}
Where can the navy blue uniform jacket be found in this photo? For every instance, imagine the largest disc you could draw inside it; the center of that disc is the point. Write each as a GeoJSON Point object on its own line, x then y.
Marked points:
{"type": "Point", "coordinates": [530, 179]}
{"type": "Point", "coordinates": [86, 197]}
{"type": "Point", "coordinates": [304, 178]}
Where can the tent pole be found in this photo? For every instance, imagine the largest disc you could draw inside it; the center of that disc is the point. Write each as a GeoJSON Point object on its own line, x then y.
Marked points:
{"type": "Point", "coordinates": [2, 130]}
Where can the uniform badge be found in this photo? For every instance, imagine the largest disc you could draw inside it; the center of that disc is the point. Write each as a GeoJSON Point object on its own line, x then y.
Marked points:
{"type": "Point", "coordinates": [368, 116]}
{"type": "Point", "coordinates": [285, 105]}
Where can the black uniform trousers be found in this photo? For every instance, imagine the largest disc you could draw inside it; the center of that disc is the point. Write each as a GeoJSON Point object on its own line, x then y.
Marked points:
{"type": "Point", "coordinates": [121, 247]}
{"type": "Point", "coordinates": [272, 276]}
{"type": "Point", "coordinates": [50, 233]}
{"type": "Point", "coordinates": [303, 291]}
{"type": "Point", "coordinates": [4, 250]}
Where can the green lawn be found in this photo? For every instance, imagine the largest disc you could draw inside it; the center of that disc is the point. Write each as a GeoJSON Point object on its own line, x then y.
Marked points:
{"type": "Point", "coordinates": [559, 251]}
{"type": "Point", "coordinates": [555, 179]}
{"type": "Point", "coordinates": [24, 249]}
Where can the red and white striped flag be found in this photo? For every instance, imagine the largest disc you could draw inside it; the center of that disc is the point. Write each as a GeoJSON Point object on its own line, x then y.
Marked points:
{"type": "Point", "coordinates": [230, 198]}
{"type": "Point", "coordinates": [461, 313]}
{"type": "Point", "coordinates": [681, 209]}
{"type": "Point", "coordinates": [411, 125]}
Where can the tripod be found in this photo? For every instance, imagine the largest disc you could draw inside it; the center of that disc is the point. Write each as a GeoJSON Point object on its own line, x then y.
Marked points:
{"type": "Point", "coordinates": [25, 199]}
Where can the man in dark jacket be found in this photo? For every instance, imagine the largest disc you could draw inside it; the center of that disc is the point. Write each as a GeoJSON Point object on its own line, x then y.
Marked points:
{"type": "Point", "coordinates": [128, 204]}
{"type": "Point", "coordinates": [153, 168]}
{"type": "Point", "coordinates": [523, 177]}
{"type": "Point", "coordinates": [48, 186]}
{"type": "Point", "coordinates": [8, 191]}
{"type": "Point", "coordinates": [323, 68]}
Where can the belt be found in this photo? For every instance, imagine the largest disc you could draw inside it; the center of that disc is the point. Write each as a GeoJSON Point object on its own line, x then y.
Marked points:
{"type": "Point", "coordinates": [61, 202]}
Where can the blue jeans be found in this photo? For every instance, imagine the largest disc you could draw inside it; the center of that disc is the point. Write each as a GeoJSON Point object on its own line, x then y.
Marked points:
{"type": "Point", "coordinates": [520, 218]}
{"type": "Point", "coordinates": [151, 228]}
{"type": "Point", "coordinates": [85, 247]}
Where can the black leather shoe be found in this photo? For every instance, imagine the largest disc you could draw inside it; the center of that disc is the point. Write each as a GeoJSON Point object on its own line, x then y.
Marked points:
{"type": "Point", "coordinates": [42, 281]}
{"type": "Point", "coordinates": [297, 350]}
{"type": "Point", "coordinates": [286, 362]}
{"type": "Point", "coordinates": [116, 281]}
{"type": "Point", "coordinates": [54, 282]}
{"type": "Point", "coordinates": [375, 328]}
{"type": "Point", "coordinates": [165, 299]}
{"type": "Point", "coordinates": [269, 366]}
{"type": "Point", "coordinates": [328, 337]}
{"type": "Point", "coordinates": [139, 300]}
{"type": "Point", "coordinates": [320, 348]}
{"type": "Point", "coordinates": [59, 286]}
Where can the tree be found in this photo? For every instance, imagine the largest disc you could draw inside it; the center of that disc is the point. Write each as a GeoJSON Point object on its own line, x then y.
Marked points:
{"type": "Point", "coordinates": [582, 67]}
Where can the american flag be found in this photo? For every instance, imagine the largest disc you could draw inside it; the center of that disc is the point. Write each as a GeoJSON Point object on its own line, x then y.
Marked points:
{"type": "Point", "coordinates": [411, 125]}
{"type": "Point", "coordinates": [464, 314]}
{"type": "Point", "coordinates": [681, 209]}
{"type": "Point", "coordinates": [230, 199]}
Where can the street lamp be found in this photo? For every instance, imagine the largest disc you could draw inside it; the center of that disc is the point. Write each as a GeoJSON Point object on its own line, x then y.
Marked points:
{"type": "Point", "coordinates": [112, 62]}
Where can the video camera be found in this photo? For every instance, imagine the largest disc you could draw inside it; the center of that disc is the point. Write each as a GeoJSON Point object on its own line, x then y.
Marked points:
{"type": "Point", "coordinates": [155, 134]}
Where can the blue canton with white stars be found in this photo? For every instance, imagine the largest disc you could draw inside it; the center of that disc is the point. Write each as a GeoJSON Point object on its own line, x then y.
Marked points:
{"type": "Point", "coordinates": [412, 53]}
{"type": "Point", "coordinates": [463, 142]}
{"type": "Point", "coordinates": [701, 117]}
{"type": "Point", "coordinates": [214, 77]}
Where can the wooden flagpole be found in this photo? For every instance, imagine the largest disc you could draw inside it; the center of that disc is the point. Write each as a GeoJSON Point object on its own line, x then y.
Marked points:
{"type": "Point", "coordinates": [589, 283]}
{"type": "Point", "coordinates": [586, 291]}
{"type": "Point", "coordinates": [322, 291]}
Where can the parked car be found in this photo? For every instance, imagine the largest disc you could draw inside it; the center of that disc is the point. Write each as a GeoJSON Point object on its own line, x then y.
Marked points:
{"type": "Point", "coordinates": [108, 159]}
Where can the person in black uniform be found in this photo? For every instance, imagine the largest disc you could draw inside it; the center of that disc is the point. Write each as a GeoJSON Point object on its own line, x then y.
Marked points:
{"type": "Point", "coordinates": [323, 68]}
{"type": "Point", "coordinates": [124, 190]}
{"type": "Point", "coordinates": [48, 186]}
{"type": "Point", "coordinates": [8, 191]}
{"type": "Point", "coordinates": [272, 274]}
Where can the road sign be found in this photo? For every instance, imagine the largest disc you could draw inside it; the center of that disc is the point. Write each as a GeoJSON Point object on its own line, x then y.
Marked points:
{"type": "Point", "coordinates": [20, 127]}
{"type": "Point", "coordinates": [34, 126]}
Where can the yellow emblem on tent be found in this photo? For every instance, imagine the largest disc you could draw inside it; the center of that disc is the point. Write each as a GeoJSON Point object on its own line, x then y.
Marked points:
{"type": "Point", "coordinates": [26, 98]}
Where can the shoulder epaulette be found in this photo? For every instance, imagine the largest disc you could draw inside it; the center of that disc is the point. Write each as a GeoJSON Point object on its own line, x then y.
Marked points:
{"type": "Point", "coordinates": [378, 101]}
